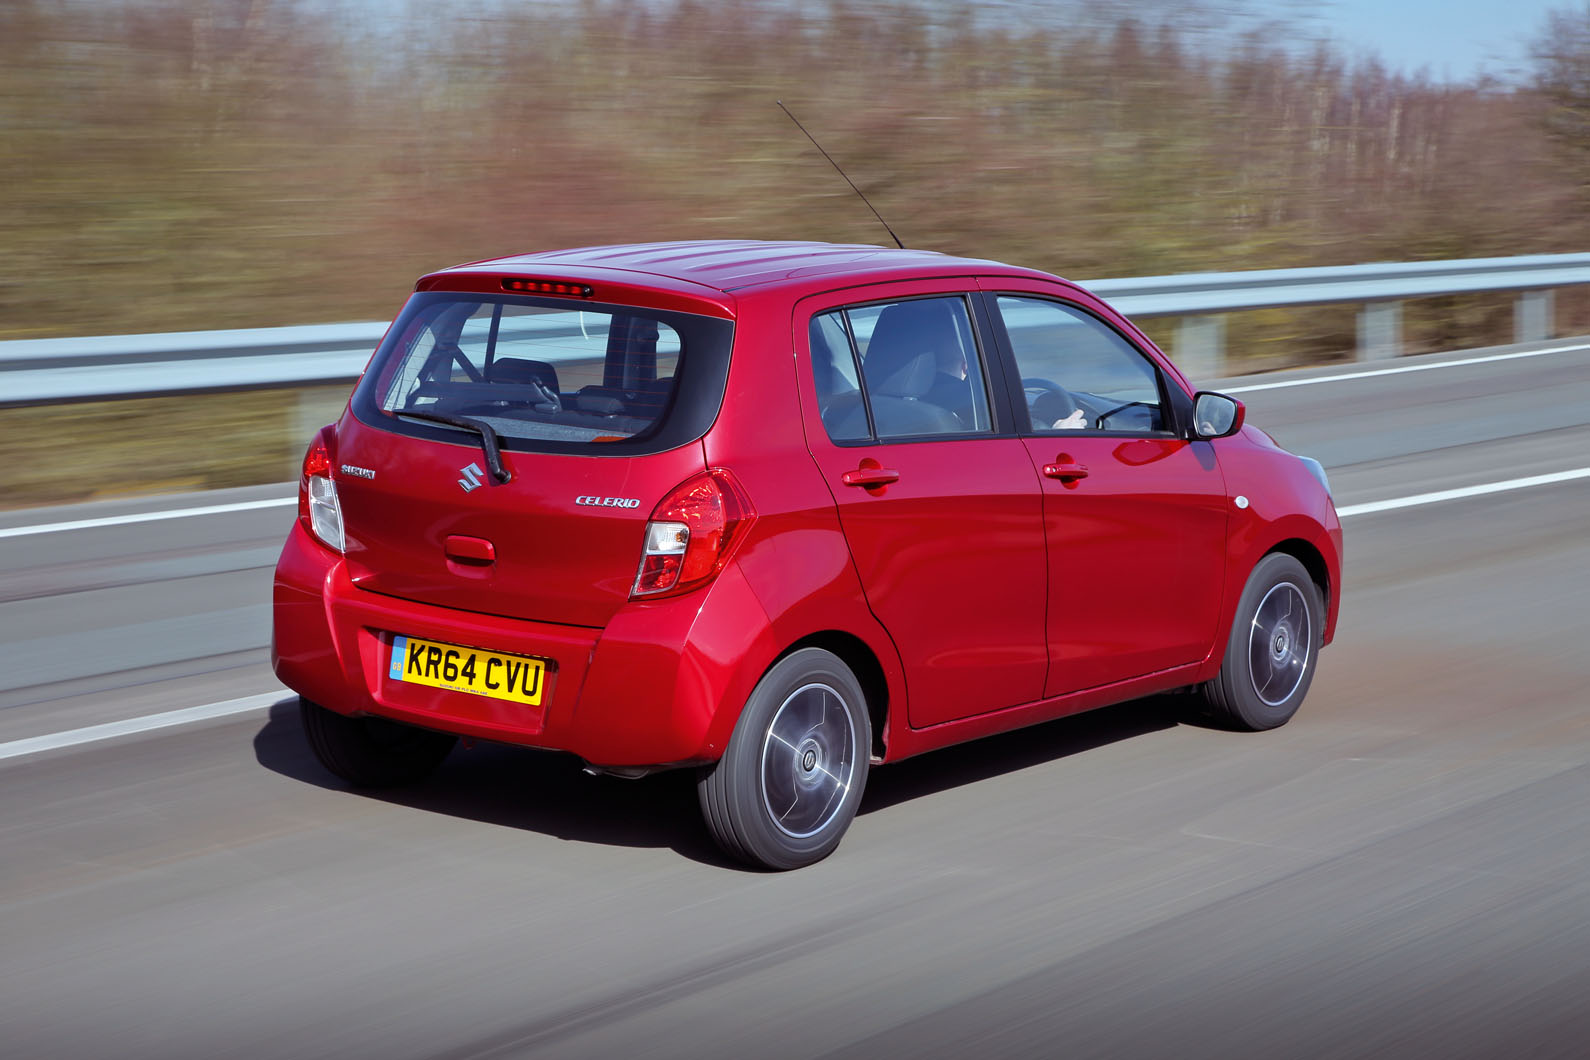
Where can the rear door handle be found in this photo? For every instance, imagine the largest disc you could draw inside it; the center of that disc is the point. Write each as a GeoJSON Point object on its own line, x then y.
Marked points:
{"type": "Point", "coordinates": [1065, 472]}
{"type": "Point", "coordinates": [870, 477]}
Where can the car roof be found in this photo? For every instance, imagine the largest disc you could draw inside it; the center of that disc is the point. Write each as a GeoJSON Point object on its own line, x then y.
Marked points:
{"type": "Point", "coordinates": [740, 265]}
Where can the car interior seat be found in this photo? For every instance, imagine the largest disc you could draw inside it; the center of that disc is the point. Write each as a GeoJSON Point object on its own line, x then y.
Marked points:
{"type": "Point", "coordinates": [900, 366]}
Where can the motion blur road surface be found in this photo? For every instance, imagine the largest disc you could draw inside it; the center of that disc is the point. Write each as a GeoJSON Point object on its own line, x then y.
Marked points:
{"type": "Point", "coordinates": [1402, 871]}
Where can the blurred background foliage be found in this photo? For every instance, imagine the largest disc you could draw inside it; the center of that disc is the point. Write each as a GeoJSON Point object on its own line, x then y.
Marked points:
{"type": "Point", "coordinates": [189, 164]}
{"type": "Point", "coordinates": [216, 163]}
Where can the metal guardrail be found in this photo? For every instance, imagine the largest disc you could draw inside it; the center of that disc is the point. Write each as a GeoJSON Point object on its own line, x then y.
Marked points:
{"type": "Point", "coordinates": [1200, 298]}
{"type": "Point", "coordinates": [49, 371]}
{"type": "Point", "coordinates": [1226, 292]}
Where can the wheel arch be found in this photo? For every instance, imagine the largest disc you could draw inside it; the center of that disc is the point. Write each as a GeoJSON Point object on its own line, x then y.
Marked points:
{"type": "Point", "coordinates": [1313, 561]}
{"type": "Point", "coordinates": [1298, 542]}
{"type": "Point", "coordinates": [864, 663]}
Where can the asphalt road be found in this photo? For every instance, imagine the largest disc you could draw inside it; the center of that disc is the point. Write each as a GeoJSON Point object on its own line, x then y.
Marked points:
{"type": "Point", "coordinates": [1402, 871]}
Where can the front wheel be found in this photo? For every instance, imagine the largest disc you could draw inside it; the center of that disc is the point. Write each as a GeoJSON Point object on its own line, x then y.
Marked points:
{"type": "Point", "coordinates": [372, 752]}
{"type": "Point", "coordinates": [1271, 653]}
{"type": "Point", "coordinates": [789, 783]}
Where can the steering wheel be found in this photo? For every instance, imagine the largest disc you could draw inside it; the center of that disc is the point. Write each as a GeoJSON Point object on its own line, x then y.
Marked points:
{"type": "Point", "coordinates": [1122, 408]}
{"type": "Point", "coordinates": [1057, 402]}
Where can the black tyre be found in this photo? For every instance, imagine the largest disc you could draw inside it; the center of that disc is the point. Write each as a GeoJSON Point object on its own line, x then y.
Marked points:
{"type": "Point", "coordinates": [789, 783]}
{"type": "Point", "coordinates": [372, 752]}
{"type": "Point", "coordinates": [1272, 650]}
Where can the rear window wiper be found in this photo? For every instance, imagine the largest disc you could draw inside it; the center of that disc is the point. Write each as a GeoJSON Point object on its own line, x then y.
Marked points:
{"type": "Point", "coordinates": [488, 437]}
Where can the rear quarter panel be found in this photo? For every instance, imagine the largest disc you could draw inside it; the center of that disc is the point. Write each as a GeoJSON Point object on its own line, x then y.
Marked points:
{"type": "Point", "coordinates": [795, 560]}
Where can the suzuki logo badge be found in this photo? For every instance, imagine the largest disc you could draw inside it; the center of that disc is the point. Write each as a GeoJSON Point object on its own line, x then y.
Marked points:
{"type": "Point", "coordinates": [471, 477]}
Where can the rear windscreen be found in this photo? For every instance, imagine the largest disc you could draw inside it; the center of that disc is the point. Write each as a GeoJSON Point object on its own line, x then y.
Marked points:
{"type": "Point", "coordinates": [549, 374]}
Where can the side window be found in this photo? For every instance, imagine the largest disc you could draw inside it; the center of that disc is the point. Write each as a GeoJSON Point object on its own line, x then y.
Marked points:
{"type": "Point", "coordinates": [1078, 372]}
{"type": "Point", "coordinates": [839, 397]}
{"type": "Point", "coordinates": [920, 371]}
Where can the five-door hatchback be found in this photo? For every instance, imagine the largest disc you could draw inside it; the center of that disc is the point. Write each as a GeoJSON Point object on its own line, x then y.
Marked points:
{"type": "Point", "coordinates": [780, 512]}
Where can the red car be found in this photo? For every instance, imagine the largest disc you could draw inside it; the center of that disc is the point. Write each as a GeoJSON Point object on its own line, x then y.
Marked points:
{"type": "Point", "coordinates": [780, 512]}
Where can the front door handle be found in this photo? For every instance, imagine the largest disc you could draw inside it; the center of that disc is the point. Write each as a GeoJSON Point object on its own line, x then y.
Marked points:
{"type": "Point", "coordinates": [1066, 472]}
{"type": "Point", "coordinates": [870, 477]}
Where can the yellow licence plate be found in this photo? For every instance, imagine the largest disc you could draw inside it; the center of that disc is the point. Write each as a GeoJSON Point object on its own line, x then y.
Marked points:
{"type": "Point", "coordinates": [483, 673]}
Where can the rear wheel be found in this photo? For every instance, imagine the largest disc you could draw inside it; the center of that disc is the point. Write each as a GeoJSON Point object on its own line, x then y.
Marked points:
{"type": "Point", "coordinates": [372, 752]}
{"type": "Point", "coordinates": [1272, 649]}
{"type": "Point", "coordinates": [789, 783]}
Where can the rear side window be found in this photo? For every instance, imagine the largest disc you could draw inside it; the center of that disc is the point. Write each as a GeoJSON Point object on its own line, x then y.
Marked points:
{"type": "Point", "coordinates": [898, 370]}
{"type": "Point", "coordinates": [549, 374]}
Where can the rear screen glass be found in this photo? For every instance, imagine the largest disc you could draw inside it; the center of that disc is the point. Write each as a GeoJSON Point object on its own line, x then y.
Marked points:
{"type": "Point", "coordinates": [547, 373]}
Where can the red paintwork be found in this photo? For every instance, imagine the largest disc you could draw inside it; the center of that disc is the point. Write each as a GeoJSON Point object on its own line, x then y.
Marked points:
{"type": "Point", "coordinates": [555, 561]}
{"type": "Point", "coordinates": [973, 594]}
{"type": "Point", "coordinates": [1138, 562]}
{"type": "Point", "coordinates": [951, 555]}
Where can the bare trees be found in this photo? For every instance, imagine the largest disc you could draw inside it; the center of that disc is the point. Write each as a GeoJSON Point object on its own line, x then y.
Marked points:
{"type": "Point", "coordinates": [1562, 79]}
{"type": "Point", "coordinates": [229, 162]}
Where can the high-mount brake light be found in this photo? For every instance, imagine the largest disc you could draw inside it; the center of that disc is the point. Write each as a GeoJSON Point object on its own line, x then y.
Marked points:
{"type": "Point", "coordinates": [558, 287]}
{"type": "Point", "coordinates": [691, 534]}
{"type": "Point", "coordinates": [318, 506]}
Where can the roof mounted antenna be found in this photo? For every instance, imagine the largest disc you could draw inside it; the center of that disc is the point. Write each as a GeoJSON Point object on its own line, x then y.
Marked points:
{"type": "Point", "coordinates": [841, 172]}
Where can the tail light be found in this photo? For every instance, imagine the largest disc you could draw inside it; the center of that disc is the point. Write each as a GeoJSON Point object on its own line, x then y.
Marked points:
{"type": "Point", "coordinates": [318, 508]}
{"type": "Point", "coordinates": [691, 534]}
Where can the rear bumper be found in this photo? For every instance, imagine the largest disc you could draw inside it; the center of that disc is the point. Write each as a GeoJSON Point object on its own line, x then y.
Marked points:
{"type": "Point", "coordinates": [657, 686]}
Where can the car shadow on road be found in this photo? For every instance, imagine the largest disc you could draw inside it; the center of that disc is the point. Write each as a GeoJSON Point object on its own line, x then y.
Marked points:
{"type": "Point", "coordinates": [534, 791]}
{"type": "Point", "coordinates": [1009, 752]}
{"type": "Point", "coordinates": [549, 793]}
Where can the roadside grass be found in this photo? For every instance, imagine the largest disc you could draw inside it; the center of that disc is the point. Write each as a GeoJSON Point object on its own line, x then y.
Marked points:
{"type": "Point", "coordinates": [61, 454]}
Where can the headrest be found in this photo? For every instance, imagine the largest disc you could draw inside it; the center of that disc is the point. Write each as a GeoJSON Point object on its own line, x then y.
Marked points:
{"type": "Point", "coordinates": [524, 370]}
{"type": "Point", "coordinates": [902, 356]}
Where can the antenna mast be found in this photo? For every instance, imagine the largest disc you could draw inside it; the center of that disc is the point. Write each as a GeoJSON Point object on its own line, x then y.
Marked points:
{"type": "Point", "coordinates": [841, 172]}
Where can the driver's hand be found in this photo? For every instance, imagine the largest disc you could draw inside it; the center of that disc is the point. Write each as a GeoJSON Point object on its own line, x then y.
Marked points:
{"type": "Point", "coordinates": [1077, 421]}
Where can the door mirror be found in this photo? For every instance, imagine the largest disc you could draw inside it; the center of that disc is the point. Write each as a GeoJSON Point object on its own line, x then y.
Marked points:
{"type": "Point", "coordinates": [1216, 415]}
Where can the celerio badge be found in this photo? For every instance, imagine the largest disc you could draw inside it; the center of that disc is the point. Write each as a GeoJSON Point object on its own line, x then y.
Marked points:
{"type": "Point", "coordinates": [608, 502]}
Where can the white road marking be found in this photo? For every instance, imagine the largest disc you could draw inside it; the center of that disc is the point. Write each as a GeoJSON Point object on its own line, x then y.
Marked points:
{"type": "Point", "coordinates": [133, 726]}
{"type": "Point", "coordinates": [1463, 491]}
{"type": "Point", "coordinates": [1401, 369]}
{"type": "Point", "coordinates": [189, 715]}
{"type": "Point", "coordinates": [145, 517]}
